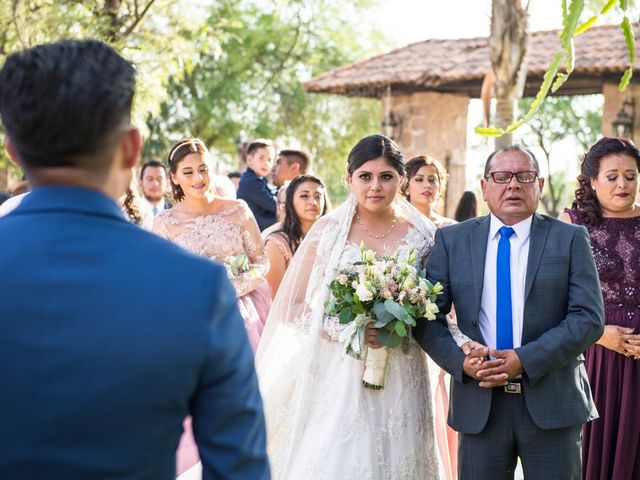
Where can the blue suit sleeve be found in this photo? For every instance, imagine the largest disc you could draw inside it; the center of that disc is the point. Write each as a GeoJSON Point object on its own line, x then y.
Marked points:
{"type": "Point", "coordinates": [256, 191]}
{"type": "Point", "coordinates": [228, 419]}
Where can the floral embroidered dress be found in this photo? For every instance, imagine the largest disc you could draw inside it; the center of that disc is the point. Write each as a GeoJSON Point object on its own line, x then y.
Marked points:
{"type": "Point", "coordinates": [281, 241]}
{"type": "Point", "coordinates": [231, 232]}
{"type": "Point", "coordinates": [611, 443]}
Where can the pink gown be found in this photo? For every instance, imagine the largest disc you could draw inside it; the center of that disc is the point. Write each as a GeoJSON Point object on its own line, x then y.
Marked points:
{"type": "Point", "coordinates": [232, 231]}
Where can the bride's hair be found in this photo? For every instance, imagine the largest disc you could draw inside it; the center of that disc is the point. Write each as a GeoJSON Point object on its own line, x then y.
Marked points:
{"type": "Point", "coordinates": [376, 146]}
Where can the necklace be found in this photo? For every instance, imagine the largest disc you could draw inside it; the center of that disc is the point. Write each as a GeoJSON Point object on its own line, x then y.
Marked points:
{"type": "Point", "coordinates": [377, 237]}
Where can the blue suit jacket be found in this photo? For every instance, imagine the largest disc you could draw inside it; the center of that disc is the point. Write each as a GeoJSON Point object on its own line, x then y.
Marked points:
{"type": "Point", "coordinates": [563, 315]}
{"type": "Point", "coordinates": [97, 370]}
{"type": "Point", "coordinates": [255, 191]}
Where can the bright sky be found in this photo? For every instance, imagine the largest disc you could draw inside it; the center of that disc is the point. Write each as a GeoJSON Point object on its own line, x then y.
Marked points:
{"type": "Point", "coordinates": [408, 21]}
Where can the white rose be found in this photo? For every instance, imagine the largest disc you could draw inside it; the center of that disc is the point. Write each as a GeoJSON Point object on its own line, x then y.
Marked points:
{"type": "Point", "coordinates": [369, 255]}
{"type": "Point", "coordinates": [363, 292]}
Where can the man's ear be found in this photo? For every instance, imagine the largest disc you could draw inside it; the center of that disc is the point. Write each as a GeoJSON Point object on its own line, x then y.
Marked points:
{"type": "Point", "coordinates": [131, 147]}
{"type": "Point", "coordinates": [13, 156]}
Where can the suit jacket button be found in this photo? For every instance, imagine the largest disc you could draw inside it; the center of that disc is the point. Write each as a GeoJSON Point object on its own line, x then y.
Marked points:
{"type": "Point", "coordinates": [474, 323]}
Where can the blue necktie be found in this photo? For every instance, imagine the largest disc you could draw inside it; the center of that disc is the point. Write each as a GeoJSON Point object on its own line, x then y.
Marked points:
{"type": "Point", "coordinates": [504, 327]}
{"type": "Point", "coordinates": [155, 211]}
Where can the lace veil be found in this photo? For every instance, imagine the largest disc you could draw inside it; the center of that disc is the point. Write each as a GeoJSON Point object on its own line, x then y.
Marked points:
{"type": "Point", "coordinates": [289, 356]}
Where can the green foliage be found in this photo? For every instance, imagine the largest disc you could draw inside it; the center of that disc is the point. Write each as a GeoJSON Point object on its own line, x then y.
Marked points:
{"type": "Point", "coordinates": [558, 119]}
{"type": "Point", "coordinates": [253, 87]}
{"type": "Point", "coordinates": [156, 35]}
{"type": "Point", "coordinates": [570, 18]}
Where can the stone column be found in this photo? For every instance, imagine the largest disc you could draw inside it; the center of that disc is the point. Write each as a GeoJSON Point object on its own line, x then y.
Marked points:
{"type": "Point", "coordinates": [613, 100]}
{"type": "Point", "coordinates": [435, 124]}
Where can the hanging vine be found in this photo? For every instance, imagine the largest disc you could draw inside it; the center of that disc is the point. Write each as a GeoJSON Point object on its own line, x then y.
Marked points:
{"type": "Point", "coordinates": [553, 79]}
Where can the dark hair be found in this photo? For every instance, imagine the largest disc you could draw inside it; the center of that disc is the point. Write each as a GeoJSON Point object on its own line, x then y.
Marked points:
{"type": "Point", "coordinates": [63, 103]}
{"type": "Point", "coordinates": [152, 163]}
{"type": "Point", "coordinates": [258, 144]}
{"type": "Point", "coordinates": [416, 163]}
{"type": "Point", "coordinates": [372, 147]}
{"type": "Point", "coordinates": [291, 226]}
{"type": "Point", "coordinates": [511, 148]}
{"type": "Point", "coordinates": [586, 199]}
{"type": "Point", "coordinates": [467, 207]}
{"type": "Point", "coordinates": [296, 156]}
{"type": "Point", "coordinates": [131, 207]}
{"type": "Point", "coordinates": [235, 174]}
{"type": "Point", "coordinates": [176, 154]}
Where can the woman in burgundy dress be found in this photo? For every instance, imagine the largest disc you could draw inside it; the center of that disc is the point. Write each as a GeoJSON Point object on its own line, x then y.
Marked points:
{"type": "Point", "coordinates": [605, 204]}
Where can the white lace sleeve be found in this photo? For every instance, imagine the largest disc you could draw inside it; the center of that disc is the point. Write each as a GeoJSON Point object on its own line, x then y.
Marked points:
{"type": "Point", "coordinates": [459, 337]}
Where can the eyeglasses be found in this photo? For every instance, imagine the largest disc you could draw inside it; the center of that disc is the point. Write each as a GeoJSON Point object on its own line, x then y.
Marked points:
{"type": "Point", "coordinates": [505, 177]}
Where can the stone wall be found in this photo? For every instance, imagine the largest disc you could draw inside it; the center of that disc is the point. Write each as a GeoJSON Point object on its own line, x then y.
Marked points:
{"type": "Point", "coordinates": [435, 124]}
{"type": "Point", "coordinates": [613, 100]}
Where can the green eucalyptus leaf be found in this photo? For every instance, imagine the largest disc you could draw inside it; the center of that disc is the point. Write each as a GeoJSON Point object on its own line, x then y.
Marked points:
{"type": "Point", "coordinates": [389, 339]}
{"type": "Point", "coordinates": [395, 309]}
{"type": "Point", "coordinates": [346, 316]}
{"type": "Point", "coordinates": [401, 329]}
{"type": "Point", "coordinates": [382, 314]}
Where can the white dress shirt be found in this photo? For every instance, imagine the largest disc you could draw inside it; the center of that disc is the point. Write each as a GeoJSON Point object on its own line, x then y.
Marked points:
{"type": "Point", "coordinates": [518, 263]}
{"type": "Point", "coordinates": [147, 207]}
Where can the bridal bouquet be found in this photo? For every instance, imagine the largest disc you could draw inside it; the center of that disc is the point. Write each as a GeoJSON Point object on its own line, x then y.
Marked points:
{"type": "Point", "coordinates": [389, 293]}
{"type": "Point", "coordinates": [236, 265]}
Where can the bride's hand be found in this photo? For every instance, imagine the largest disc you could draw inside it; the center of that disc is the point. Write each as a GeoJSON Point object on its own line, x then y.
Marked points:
{"type": "Point", "coordinates": [371, 336]}
{"type": "Point", "coordinates": [469, 346]}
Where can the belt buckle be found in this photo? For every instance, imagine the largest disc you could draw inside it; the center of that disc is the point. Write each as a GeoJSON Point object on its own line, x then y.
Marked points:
{"type": "Point", "coordinates": [513, 387]}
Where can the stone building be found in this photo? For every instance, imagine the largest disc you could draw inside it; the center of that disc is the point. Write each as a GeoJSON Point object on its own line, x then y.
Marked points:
{"type": "Point", "coordinates": [425, 89]}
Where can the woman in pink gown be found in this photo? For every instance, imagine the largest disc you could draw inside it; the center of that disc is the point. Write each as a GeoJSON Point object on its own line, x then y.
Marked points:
{"type": "Point", "coordinates": [223, 230]}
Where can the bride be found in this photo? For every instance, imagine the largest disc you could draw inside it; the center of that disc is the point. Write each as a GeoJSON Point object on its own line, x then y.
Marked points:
{"type": "Point", "coordinates": [321, 422]}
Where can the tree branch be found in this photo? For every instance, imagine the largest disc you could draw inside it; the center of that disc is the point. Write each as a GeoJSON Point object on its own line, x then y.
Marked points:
{"type": "Point", "coordinates": [138, 19]}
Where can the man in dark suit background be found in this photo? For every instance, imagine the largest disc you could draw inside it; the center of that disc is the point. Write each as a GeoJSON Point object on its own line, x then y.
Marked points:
{"type": "Point", "coordinates": [97, 373]}
{"type": "Point", "coordinates": [526, 286]}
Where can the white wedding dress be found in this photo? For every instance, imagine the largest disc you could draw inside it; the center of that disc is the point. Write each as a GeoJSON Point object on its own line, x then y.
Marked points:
{"type": "Point", "coordinates": [322, 423]}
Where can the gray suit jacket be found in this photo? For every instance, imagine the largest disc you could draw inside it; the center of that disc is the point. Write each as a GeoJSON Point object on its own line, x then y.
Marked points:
{"type": "Point", "coordinates": [563, 315]}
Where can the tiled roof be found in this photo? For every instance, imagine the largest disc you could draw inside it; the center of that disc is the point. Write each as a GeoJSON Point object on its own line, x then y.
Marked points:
{"type": "Point", "coordinates": [460, 65]}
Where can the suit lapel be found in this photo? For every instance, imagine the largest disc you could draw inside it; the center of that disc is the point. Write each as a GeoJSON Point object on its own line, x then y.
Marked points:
{"type": "Point", "coordinates": [478, 247]}
{"type": "Point", "coordinates": [537, 241]}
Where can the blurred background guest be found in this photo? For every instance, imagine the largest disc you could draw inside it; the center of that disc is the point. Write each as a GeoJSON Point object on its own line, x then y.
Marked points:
{"type": "Point", "coordinates": [426, 186]}
{"type": "Point", "coordinates": [289, 165]}
{"type": "Point", "coordinates": [223, 186]}
{"type": "Point", "coordinates": [306, 201]}
{"type": "Point", "coordinates": [4, 196]}
{"type": "Point", "coordinates": [467, 207]}
{"type": "Point", "coordinates": [280, 213]}
{"type": "Point", "coordinates": [235, 178]}
{"type": "Point", "coordinates": [605, 204]}
{"type": "Point", "coordinates": [153, 183]}
{"type": "Point", "coordinates": [131, 206]}
{"type": "Point", "coordinates": [254, 188]}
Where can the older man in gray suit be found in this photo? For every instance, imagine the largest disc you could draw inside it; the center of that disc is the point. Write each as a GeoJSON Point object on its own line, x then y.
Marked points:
{"type": "Point", "coordinates": [524, 286]}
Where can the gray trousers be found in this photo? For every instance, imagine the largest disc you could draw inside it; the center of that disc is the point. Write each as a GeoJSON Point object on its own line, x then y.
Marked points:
{"type": "Point", "coordinates": [510, 433]}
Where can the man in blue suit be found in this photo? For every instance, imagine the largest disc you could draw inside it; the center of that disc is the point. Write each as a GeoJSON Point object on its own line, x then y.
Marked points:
{"type": "Point", "coordinates": [526, 286]}
{"type": "Point", "coordinates": [97, 374]}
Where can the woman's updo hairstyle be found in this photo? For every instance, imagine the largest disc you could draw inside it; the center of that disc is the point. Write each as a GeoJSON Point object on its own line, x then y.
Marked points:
{"type": "Point", "coordinates": [177, 153]}
{"type": "Point", "coordinates": [372, 147]}
{"type": "Point", "coordinates": [586, 200]}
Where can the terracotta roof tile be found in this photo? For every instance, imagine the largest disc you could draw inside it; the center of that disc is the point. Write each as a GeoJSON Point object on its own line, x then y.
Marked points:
{"type": "Point", "coordinates": [434, 64]}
